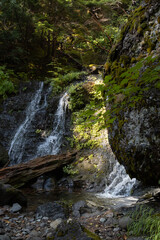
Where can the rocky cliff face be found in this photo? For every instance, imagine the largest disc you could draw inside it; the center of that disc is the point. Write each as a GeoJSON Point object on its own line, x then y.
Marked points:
{"type": "Point", "coordinates": [134, 65]}
{"type": "Point", "coordinates": [13, 113]}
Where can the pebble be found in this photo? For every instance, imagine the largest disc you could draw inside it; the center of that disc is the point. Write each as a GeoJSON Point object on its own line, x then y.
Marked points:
{"type": "Point", "coordinates": [102, 220]}
{"type": "Point", "coordinates": [55, 223]}
{"type": "Point", "coordinates": [116, 229]}
{"type": "Point", "coordinates": [16, 207]}
{"type": "Point", "coordinates": [27, 227]}
{"type": "Point", "coordinates": [109, 214]}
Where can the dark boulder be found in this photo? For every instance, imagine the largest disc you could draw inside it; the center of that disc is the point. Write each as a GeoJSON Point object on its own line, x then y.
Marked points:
{"type": "Point", "coordinates": [134, 64]}
{"type": "Point", "coordinates": [10, 195]}
{"type": "Point", "coordinates": [52, 210]}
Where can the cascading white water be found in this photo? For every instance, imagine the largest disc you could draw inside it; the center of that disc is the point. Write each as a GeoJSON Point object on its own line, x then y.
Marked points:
{"type": "Point", "coordinates": [53, 142]}
{"type": "Point", "coordinates": [120, 183]}
{"type": "Point", "coordinates": [17, 146]}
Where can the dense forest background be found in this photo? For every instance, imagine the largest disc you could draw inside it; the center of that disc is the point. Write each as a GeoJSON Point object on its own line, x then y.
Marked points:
{"type": "Point", "coordinates": [48, 38]}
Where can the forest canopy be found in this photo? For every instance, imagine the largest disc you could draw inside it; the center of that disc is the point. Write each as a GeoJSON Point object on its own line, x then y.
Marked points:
{"type": "Point", "coordinates": [41, 36]}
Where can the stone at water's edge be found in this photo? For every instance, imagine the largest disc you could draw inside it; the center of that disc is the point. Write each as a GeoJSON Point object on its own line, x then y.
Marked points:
{"type": "Point", "coordinates": [10, 195]}
{"type": "Point", "coordinates": [135, 134]}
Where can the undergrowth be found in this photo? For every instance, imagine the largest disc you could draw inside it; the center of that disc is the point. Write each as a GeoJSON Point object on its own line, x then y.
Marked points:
{"type": "Point", "coordinates": [61, 80]}
{"type": "Point", "coordinates": [87, 117]}
{"type": "Point", "coordinates": [146, 223]}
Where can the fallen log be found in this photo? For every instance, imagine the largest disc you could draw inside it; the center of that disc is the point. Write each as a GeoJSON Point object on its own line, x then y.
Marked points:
{"type": "Point", "coordinates": [20, 174]}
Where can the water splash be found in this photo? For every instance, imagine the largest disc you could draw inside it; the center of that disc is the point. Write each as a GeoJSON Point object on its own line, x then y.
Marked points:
{"type": "Point", "coordinates": [17, 146]}
{"type": "Point", "coordinates": [120, 183]}
{"type": "Point", "coordinates": [53, 142]}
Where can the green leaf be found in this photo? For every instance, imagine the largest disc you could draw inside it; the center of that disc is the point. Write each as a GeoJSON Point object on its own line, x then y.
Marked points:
{"type": "Point", "coordinates": [107, 78]}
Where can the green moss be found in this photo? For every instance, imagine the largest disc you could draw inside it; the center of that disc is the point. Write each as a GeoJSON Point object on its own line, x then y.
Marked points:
{"type": "Point", "coordinates": [124, 59]}
{"type": "Point", "coordinates": [107, 66]}
{"type": "Point", "coordinates": [124, 30]}
{"type": "Point", "coordinates": [133, 60]}
{"type": "Point", "coordinates": [158, 19]}
{"type": "Point", "coordinates": [144, 25]}
{"type": "Point", "coordinates": [149, 45]}
{"type": "Point", "coordinates": [90, 234]}
{"type": "Point", "coordinates": [80, 95]}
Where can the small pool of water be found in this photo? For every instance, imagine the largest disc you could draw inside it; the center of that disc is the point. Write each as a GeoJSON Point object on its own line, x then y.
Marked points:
{"type": "Point", "coordinates": [70, 197]}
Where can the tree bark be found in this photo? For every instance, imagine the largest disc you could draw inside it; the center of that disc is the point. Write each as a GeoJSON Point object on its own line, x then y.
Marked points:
{"type": "Point", "coordinates": [19, 175]}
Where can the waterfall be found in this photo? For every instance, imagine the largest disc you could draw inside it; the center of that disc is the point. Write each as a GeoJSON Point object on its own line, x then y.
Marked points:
{"type": "Point", "coordinates": [120, 184]}
{"type": "Point", "coordinates": [17, 146]}
{"type": "Point", "coordinates": [53, 142]}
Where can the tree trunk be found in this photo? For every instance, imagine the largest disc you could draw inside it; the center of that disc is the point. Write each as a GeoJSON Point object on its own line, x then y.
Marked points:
{"type": "Point", "coordinates": [19, 175]}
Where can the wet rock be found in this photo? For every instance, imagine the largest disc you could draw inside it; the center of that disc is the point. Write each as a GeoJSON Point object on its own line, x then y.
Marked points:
{"type": "Point", "coordinates": [49, 184]}
{"type": "Point", "coordinates": [66, 182]}
{"type": "Point", "coordinates": [44, 184]}
{"type": "Point", "coordinates": [4, 158]}
{"type": "Point", "coordinates": [73, 230]}
{"type": "Point", "coordinates": [10, 195]}
{"type": "Point", "coordinates": [14, 112]}
{"type": "Point", "coordinates": [15, 208]}
{"type": "Point", "coordinates": [78, 207]}
{"type": "Point", "coordinates": [124, 222]}
{"type": "Point", "coordinates": [38, 185]}
{"type": "Point", "coordinates": [52, 210]}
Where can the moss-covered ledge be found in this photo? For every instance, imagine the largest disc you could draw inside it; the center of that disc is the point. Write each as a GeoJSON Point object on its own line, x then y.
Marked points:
{"type": "Point", "coordinates": [132, 74]}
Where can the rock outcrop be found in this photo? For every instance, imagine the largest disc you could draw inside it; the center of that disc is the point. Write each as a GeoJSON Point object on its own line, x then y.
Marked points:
{"type": "Point", "coordinates": [134, 66]}
{"type": "Point", "coordinates": [13, 114]}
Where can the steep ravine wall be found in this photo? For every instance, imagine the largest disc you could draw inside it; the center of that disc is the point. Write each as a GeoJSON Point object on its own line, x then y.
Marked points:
{"type": "Point", "coordinates": [134, 65]}
{"type": "Point", "coordinates": [13, 114]}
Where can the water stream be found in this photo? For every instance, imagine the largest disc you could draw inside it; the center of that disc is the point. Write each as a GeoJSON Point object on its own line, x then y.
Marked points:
{"type": "Point", "coordinates": [52, 143]}
{"type": "Point", "coordinates": [17, 146]}
{"type": "Point", "coordinates": [119, 183]}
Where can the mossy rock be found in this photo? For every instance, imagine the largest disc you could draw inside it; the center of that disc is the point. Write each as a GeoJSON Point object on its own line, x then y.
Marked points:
{"type": "Point", "coordinates": [73, 231]}
{"type": "Point", "coordinates": [80, 95]}
{"type": "Point", "coordinates": [134, 135]}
